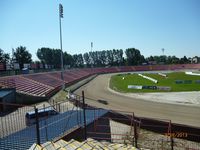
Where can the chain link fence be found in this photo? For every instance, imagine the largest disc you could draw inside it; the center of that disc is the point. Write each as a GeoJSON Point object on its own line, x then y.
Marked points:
{"type": "Point", "coordinates": [111, 125]}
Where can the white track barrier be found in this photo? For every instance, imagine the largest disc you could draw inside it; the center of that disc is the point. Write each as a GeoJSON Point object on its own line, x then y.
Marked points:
{"type": "Point", "coordinates": [161, 74]}
{"type": "Point", "coordinates": [139, 87]}
{"type": "Point", "coordinates": [149, 78]}
{"type": "Point", "coordinates": [193, 74]}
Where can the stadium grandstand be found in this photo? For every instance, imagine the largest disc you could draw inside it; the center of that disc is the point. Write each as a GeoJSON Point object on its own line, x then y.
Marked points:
{"type": "Point", "coordinates": [48, 83]}
{"type": "Point", "coordinates": [80, 126]}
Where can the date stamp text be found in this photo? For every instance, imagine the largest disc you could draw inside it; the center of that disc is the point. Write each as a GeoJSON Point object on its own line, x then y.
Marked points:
{"type": "Point", "coordinates": [177, 134]}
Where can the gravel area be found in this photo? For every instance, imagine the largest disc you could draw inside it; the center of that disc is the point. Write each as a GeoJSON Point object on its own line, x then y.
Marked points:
{"type": "Point", "coordinates": [147, 139]}
{"type": "Point", "coordinates": [187, 98]}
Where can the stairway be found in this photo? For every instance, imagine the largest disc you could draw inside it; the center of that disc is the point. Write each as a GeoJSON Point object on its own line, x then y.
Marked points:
{"type": "Point", "coordinates": [89, 144]}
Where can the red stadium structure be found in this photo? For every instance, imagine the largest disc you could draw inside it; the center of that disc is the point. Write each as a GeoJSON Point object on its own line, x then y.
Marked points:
{"type": "Point", "coordinates": [2, 67]}
{"type": "Point", "coordinates": [46, 84]}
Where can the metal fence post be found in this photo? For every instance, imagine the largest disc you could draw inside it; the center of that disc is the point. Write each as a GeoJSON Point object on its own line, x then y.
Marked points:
{"type": "Point", "coordinates": [162, 144]}
{"type": "Point", "coordinates": [135, 130]}
{"type": "Point", "coordinates": [132, 129]}
{"type": "Point", "coordinates": [37, 126]}
{"type": "Point", "coordinates": [59, 107]}
{"type": "Point", "coordinates": [171, 138]}
{"type": "Point", "coordinates": [84, 117]}
{"type": "Point", "coordinates": [172, 142]}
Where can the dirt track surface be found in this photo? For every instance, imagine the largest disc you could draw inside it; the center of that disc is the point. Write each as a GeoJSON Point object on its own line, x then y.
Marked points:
{"type": "Point", "coordinates": [97, 89]}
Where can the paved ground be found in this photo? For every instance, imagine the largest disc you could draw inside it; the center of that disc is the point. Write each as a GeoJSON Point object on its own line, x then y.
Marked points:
{"type": "Point", "coordinates": [97, 89]}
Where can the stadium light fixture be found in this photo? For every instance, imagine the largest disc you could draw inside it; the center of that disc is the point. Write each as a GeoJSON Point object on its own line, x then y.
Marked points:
{"type": "Point", "coordinates": [163, 51]}
{"type": "Point", "coordinates": [91, 54]}
{"type": "Point", "coordinates": [61, 53]}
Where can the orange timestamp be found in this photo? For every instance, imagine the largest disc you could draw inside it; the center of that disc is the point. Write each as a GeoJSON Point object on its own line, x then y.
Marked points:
{"type": "Point", "coordinates": [177, 134]}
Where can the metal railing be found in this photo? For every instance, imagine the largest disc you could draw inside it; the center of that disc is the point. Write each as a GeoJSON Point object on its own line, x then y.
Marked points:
{"type": "Point", "coordinates": [19, 72]}
{"type": "Point", "coordinates": [13, 129]}
{"type": "Point", "coordinates": [111, 125]}
{"type": "Point", "coordinates": [124, 127]}
{"type": "Point", "coordinates": [16, 134]}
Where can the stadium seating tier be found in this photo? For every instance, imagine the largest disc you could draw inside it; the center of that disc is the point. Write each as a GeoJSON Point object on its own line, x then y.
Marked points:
{"type": "Point", "coordinates": [44, 84]}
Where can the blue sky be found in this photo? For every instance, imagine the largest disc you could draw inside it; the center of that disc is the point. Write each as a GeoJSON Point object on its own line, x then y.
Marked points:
{"type": "Point", "coordinates": [148, 25]}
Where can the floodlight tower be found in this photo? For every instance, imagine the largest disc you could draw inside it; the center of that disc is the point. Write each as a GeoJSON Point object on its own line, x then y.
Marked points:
{"type": "Point", "coordinates": [91, 46]}
{"type": "Point", "coordinates": [91, 53]}
{"type": "Point", "coordinates": [61, 52]}
{"type": "Point", "coordinates": [163, 50]}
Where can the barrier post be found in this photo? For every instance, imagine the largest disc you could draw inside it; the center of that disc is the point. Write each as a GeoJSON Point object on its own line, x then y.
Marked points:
{"type": "Point", "coordinates": [172, 143]}
{"type": "Point", "coordinates": [135, 131]}
{"type": "Point", "coordinates": [84, 117]}
{"type": "Point", "coordinates": [171, 138]}
{"type": "Point", "coordinates": [37, 126]}
{"type": "Point", "coordinates": [132, 130]}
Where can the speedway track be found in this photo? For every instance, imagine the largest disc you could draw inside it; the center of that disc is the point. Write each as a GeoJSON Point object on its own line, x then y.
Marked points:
{"type": "Point", "coordinates": [97, 89]}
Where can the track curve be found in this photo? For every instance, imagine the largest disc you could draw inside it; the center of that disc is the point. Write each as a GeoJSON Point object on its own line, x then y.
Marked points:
{"type": "Point", "coordinates": [97, 89]}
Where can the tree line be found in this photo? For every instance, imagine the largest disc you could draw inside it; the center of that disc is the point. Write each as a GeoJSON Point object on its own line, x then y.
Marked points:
{"type": "Point", "coordinates": [104, 58]}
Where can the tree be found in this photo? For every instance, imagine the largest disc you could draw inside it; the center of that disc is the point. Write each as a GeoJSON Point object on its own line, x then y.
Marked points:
{"type": "Point", "coordinates": [110, 58]}
{"type": "Point", "coordinates": [175, 60]}
{"type": "Point", "coordinates": [45, 55]}
{"type": "Point", "coordinates": [94, 58]}
{"type": "Point", "coordinates": [22, 56]}
{"type": "Point", "coordinates": [52, 56]}
{"type": "Point", "coordinates": [163, 59]}
{"type": "Point", "coordinates": [102, 58]}
{"type": "Point", "coordinates": [87, 59]}
{"type": "Point", "coordinates": [55, 55]}
{"type": "Point", "coordinates": [68, 59]}
{"type": "Point", "coordinates": [4, 57]}
{"type": "Point", "coordinates": [118, 57]}
{"type": "Point", "coordinates": [134, 57]}
{"type": "Point", "coordinates": [151, 58]}
{"type": "Point", "coordinates": [184, 60]}
{"type": "Point", "coordinates": [78, 60]}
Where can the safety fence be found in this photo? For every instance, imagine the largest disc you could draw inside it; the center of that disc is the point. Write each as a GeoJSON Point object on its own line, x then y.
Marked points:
{"type": "Point", "coordinates": [124, 127]}
{"type": "Point", "coordinates": [16, 133]}
{"type": "Point", "coordinates": [19, 72]}
{"type": "Point", "coordinates": [13, 129]}
{"type": "Point", "coordinates": [100, 124]}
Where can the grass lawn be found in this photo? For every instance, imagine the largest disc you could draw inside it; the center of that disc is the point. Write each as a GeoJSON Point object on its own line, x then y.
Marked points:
{"type": "Point", "coordinates": [118, 84]}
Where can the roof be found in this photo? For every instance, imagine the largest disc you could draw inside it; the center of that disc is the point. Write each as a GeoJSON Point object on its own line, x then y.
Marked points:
{"type": "Point", "coordinates": [41, 110]}
{"type": "Point", "coordinates": [3, 93]}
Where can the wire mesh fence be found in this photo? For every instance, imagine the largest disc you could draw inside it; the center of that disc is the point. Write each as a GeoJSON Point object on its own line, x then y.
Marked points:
{"type": "Point", "coordinates": [22, 125]}
{"type": "Point", "coordinates": [18, 126]}
{"type": "Point", "coordinates": [154, 133]}
{"type": "Point", "coordinates": [111, 125]}
{"type": "Point", "coordinates": [13, 129]}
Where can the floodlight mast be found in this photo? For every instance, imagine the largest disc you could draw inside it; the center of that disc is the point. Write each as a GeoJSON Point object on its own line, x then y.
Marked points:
{"type": "Point", "coordinates": [91, 54]}
{"type": "Point", "coordinates": [163, 50]}
{"type": "Point", "coordinates": [61, 52]}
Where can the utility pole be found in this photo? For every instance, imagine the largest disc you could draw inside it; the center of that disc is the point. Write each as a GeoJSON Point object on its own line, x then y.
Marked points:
{"type": "Point", "coordinates": [61, 53]}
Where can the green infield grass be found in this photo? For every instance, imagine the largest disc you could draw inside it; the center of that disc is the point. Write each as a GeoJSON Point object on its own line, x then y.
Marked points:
{"type": "Point", "coordinates": [119, 84]}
